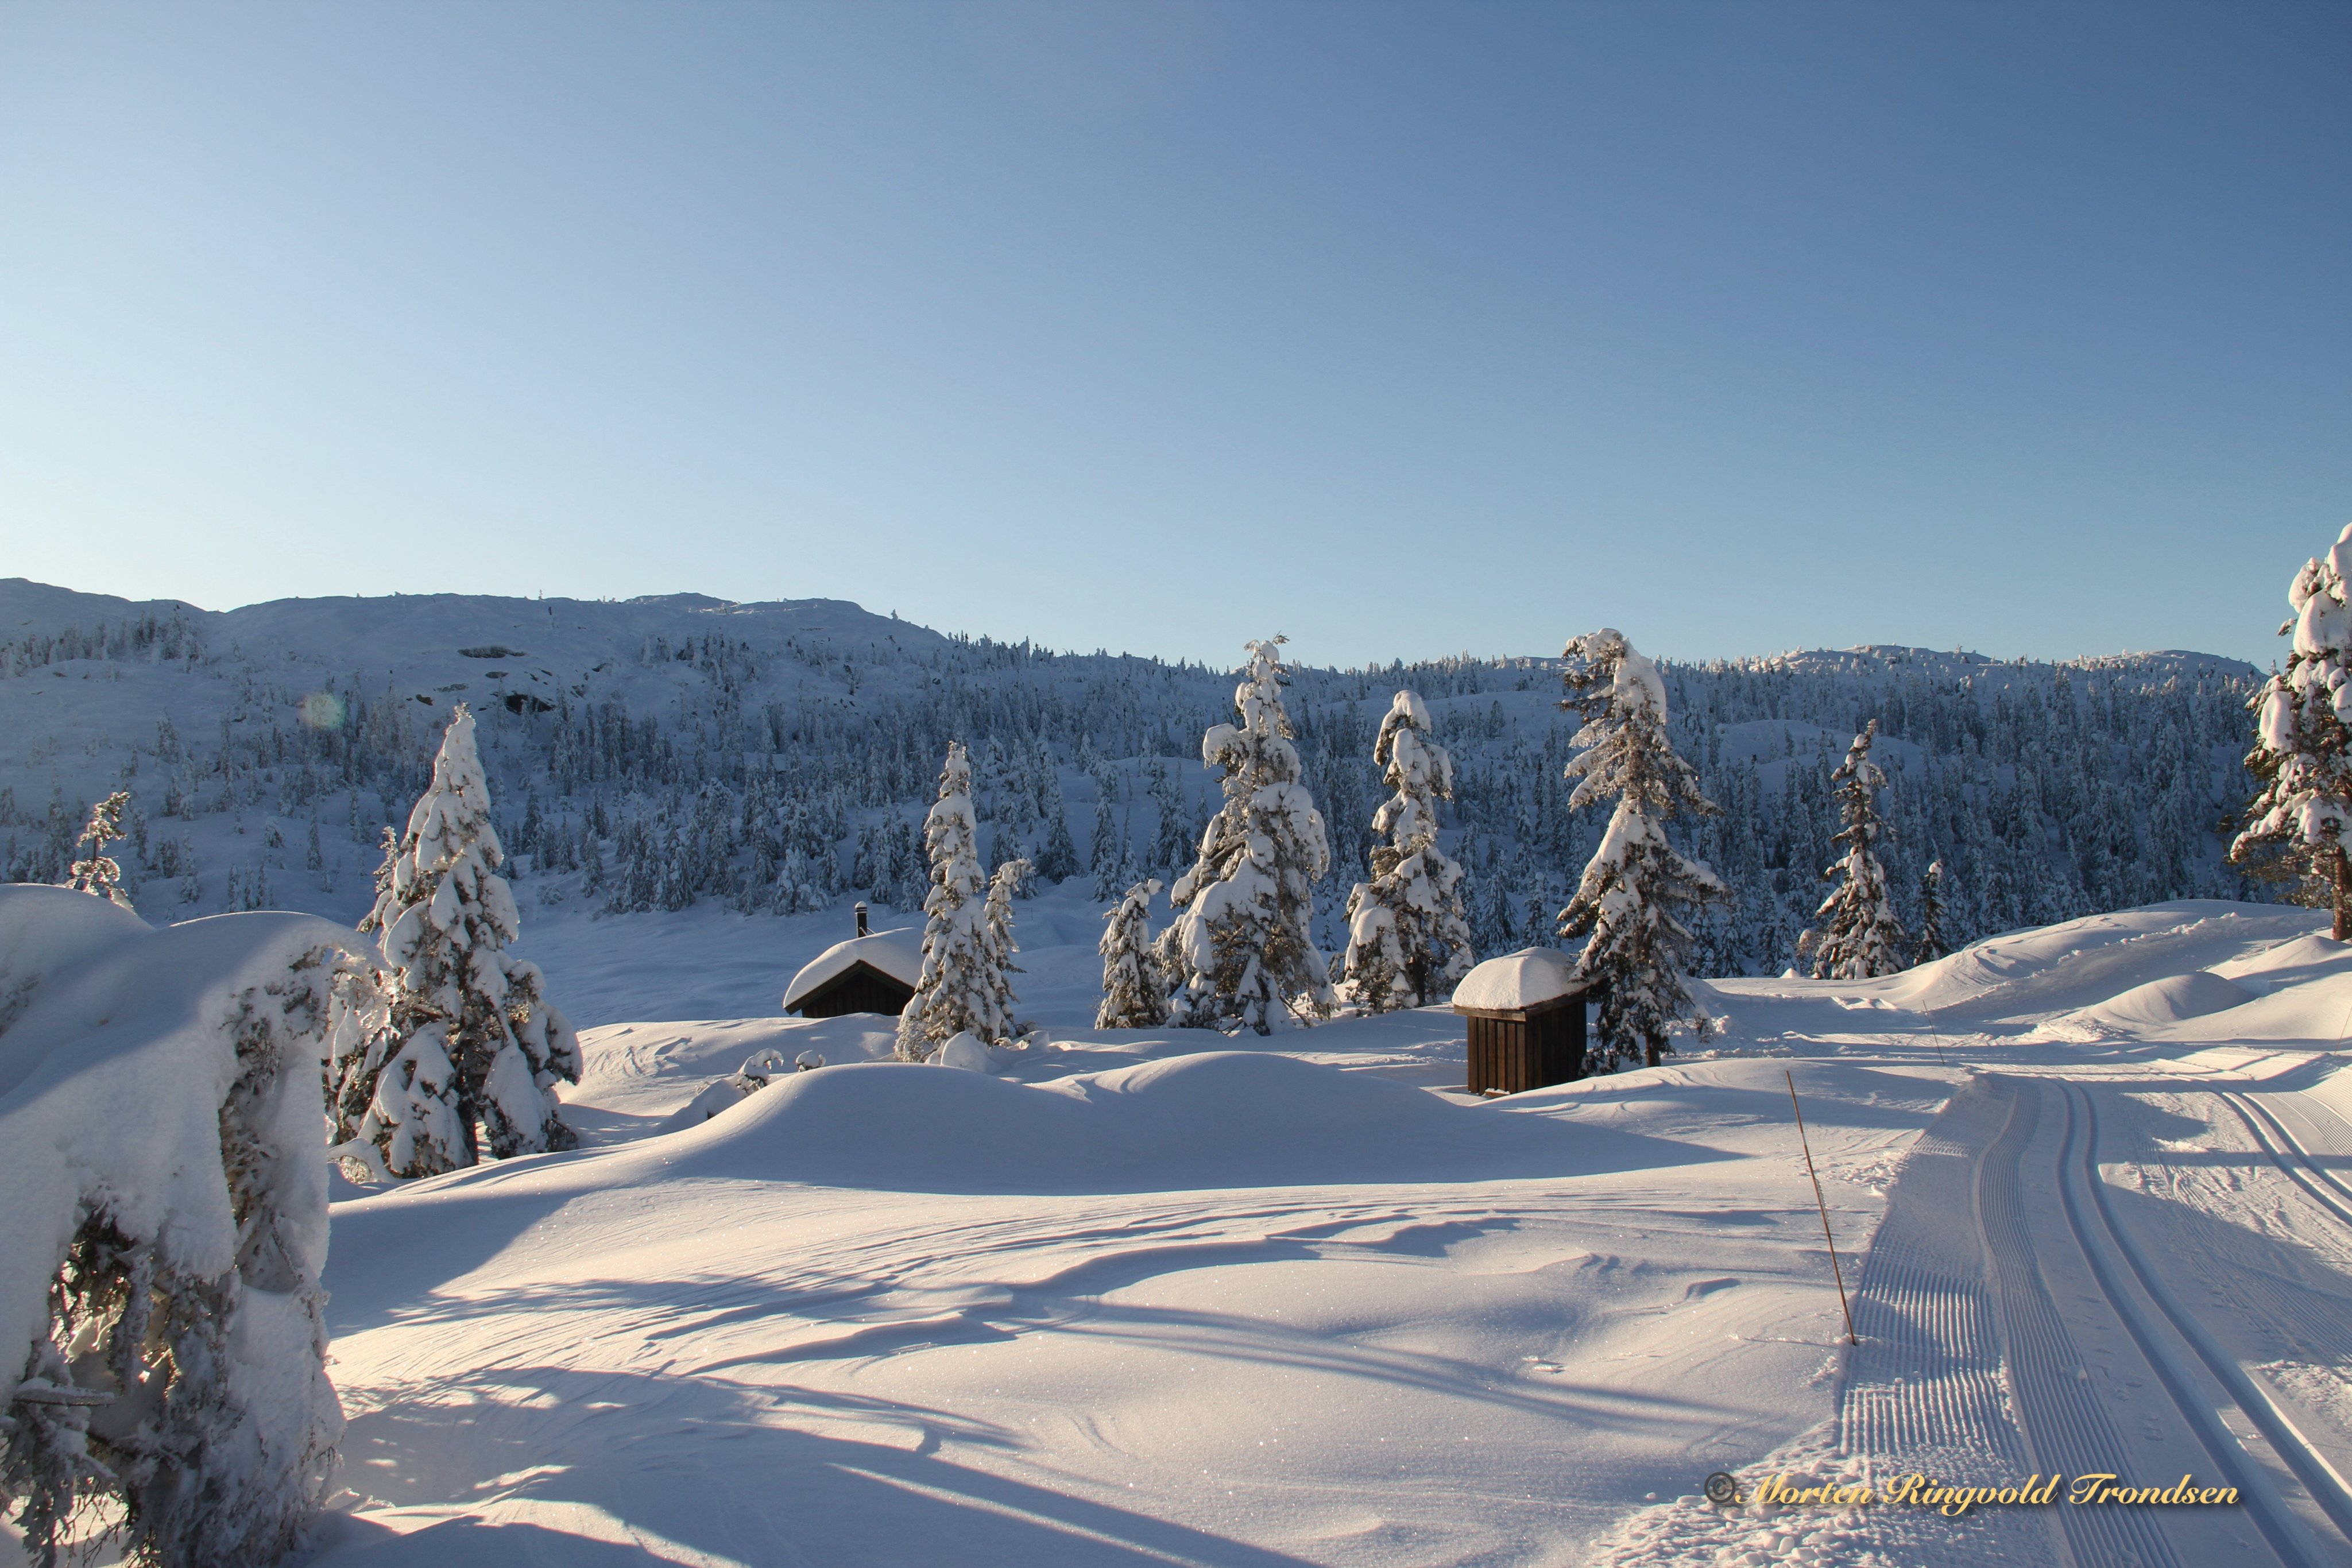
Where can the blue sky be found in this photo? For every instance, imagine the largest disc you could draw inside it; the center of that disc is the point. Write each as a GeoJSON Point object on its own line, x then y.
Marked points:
{"type": "Point", "coordinates": [1405, 330]}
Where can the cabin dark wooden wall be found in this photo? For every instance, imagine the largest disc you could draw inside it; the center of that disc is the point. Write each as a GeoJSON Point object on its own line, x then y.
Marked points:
{"type": "Point", "coordinates": [1515, 1054]}
{"type": "Point", "coordinates": [862, 989]}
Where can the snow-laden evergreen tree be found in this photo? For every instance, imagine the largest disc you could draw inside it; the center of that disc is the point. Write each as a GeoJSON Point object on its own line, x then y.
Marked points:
{"type": "Point", "coordinates": [1135, 995]}
{"type": "Point", "coordinates": [94, 870]}
{"type": "Point", "coordinates": [996, 920]}
{"type": "Point", "coordinates": [392, 1101]}
{"type": "Point", "coordinates": [1931, 945]}
{"type": "Point", "coordinates": [1408, 941]}
{"type": "Point", "coordinates": [1636, 887]}
{"type": "Point", "coordinates": [1057, 860]}
{"type": "Point", "coordinates": [1859, 937]}
{"type": "Point", "coordinates": [959, 986]}
{"type": "Point", "coordinates": [466, 1027]}
{"type": "Point", "coordinates": [2303, 748]}
{"type": "Point", "coordinates": [1105, 846]}
{"type": "Point", "coordinates": [1240, 952]}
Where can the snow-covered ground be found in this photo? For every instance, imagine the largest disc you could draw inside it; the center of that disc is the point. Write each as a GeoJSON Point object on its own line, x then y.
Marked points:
{"type": "Point", "coordinates": [1131, 1302]}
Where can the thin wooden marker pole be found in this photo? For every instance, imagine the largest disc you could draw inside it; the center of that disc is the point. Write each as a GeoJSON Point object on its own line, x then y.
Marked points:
{"type": "Point", "coordinates": [1934, 1033]}
{"type": "Point", "coordinates": [1836, 1273]}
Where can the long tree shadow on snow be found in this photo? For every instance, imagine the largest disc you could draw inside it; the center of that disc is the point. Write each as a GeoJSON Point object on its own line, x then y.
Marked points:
{"type": "Point", "coordinates": [717, 1468]}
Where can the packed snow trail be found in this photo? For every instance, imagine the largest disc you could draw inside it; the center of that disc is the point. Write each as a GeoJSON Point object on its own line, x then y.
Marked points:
{"type": "Point", "coordinates": [2108, 1364]}
{"type": "Point", "coordinates": [1926, 1389]}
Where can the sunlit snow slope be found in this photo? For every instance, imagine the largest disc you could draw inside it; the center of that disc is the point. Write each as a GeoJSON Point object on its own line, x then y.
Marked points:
{"type": "Point", "coordinates": [1126, 1302]}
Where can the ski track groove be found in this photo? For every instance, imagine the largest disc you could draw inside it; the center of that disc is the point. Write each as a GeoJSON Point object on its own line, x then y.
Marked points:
{"type": "Point", "coordinates": [2263, 1504]}
{"type": "Point", "coordinates": [2314, 1180]}
{"type": "Point", "coordinates": [2066, 1428]}
{"type": "Point", "coordinates": [1927, 1372]}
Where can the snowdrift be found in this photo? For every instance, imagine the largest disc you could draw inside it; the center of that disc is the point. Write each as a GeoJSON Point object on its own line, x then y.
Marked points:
{"type": "Point", "coordinates": [2151, 1006]}
{"type": "Point", "coordinates": [160, 1125]}
{"type": "Point", "coordinates": [1218, 1119]}
{"type": "Point", "coordinates": [2022, 979]}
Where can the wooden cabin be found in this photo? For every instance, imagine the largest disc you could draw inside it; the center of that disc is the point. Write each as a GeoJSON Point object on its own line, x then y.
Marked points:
{"type": "Point", "coordinates": [1526, 1014]}
{"type": "Point", "coordinates": [870, 973]}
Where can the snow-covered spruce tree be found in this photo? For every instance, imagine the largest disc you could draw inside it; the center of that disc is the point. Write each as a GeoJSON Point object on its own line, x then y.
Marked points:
{"type": "Point", "coordinates": [1058, 860]}
{"type": "Point", "coordinates": [463, 1028]}
{"type": "Point", "coordinates": [391, 1100]}
{"type": "Point", "coordinates": [1931, 945]}
{"type": "Point", "coordinates": [95, 871]}
{"type": "Point", "coordinates": [1241, 953]}
{"type": "Point", "coordinates": [996, 920]}
{"type": "Point", "coordinates": [2303, 748]}
{"type": "Point", "coordinates": [1859, 937]}
{"type": "Point", "coordinates": [959, 986]}
{"type": "Point", "coordinates": [1135, 995]}
{"type": "Point", "coordinates": [1633, 892]}
{"type": "Point", "coordinates": [1408, 941]}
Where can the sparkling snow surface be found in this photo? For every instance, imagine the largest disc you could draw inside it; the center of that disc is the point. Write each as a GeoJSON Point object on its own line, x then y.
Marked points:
{"type": "Point", "coordinates": [1133, 1301]}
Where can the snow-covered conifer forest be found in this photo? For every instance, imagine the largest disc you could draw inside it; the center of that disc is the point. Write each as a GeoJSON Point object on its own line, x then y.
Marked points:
{"type": "Point", "coordinates": [656, 755]}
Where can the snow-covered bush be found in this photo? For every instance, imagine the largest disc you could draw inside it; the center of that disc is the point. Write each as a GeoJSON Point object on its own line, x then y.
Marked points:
{"type": "Point", "coordinates": [457, 1042]}
{"type": "Point", "coordinates": [961, 987]}
{"type": "Point", "coordinates": [2303, 747]}
{"type": "Point", "coordinates": [162, 1338]}
{"type": "Point", "coordinates": [1636, 887]}
{"type": "Point", "coordinates": [1408, 940]}
{"type": "Point", "coordinates": [1241, 952]}
{"type": "Point", "coordinates": [1859, 937]}
{"type": "Point", "coordinates": [1135, 996]}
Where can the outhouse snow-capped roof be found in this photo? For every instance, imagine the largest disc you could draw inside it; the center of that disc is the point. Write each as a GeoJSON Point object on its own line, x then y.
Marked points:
{"type": "Point", "coordinates": [897, 954]}
{"type": "Point", "coordinates": [1519, 981]}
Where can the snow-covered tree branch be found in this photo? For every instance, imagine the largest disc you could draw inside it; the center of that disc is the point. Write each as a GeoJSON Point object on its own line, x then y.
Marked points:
{"type": "Point", "coordinates": [2303, 749]}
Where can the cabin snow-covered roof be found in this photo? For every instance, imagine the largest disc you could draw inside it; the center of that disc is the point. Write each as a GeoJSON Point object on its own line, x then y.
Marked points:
{"type": "Point", "coordinates": [897, 954]}
{"type": "Point", "coordinates": [1518, 981]}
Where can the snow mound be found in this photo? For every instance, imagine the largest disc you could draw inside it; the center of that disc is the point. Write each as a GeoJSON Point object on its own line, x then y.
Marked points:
{"type": "Point", "coordinates": [44, 930]}
{"type": "Point", "coordinates": [894, 953]}
{"type": "Point", "coordinates": [2304, 959]}
{"type": "Point", "coordinates": [1516, 981]}
{"type": "Point", "coordinates": [2156, 1003]}
{"type": "Point", "coordinates": [1216, 1120]}
{"type": "Point", "coordinates": [966, 1050]}
{"type": "Point", "coordinates": [2082, 964]}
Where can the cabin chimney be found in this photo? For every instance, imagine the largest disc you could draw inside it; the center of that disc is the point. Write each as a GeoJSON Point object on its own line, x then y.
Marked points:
{"type": "Point", "coordinates": [861, 919]}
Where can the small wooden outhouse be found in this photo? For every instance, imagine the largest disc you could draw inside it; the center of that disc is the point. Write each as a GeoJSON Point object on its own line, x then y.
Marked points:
{"type": "Point", "coordinates": [1526, 1013]}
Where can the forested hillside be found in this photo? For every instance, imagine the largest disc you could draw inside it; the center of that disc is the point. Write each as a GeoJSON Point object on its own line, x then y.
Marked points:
{"type": "Point", "coordinates": [650, 754]}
